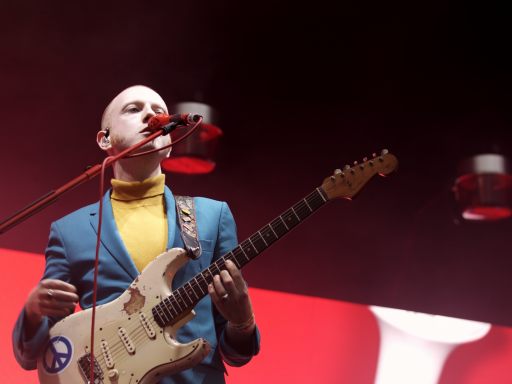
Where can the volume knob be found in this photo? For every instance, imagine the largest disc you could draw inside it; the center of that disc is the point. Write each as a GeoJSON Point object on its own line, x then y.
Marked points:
{"type": "Point", "coordinates": [113, 374]}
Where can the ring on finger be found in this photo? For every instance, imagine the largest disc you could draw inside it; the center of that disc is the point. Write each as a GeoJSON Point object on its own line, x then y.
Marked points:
{"type": "Point", "coordinates": [225, 297]}
{"type": "Point", "coordinates": [50, 293]}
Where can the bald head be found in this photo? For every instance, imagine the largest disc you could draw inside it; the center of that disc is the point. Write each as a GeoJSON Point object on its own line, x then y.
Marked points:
{"type": "Point", "coordinates": [106, 118]}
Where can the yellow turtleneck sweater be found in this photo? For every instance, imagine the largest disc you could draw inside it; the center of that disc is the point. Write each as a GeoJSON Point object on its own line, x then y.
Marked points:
{"type": "Point", "coordinates": [141, 217]}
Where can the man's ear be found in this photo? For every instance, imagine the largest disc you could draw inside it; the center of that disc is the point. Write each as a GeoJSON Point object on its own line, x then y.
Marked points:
{"type": "Point", "coordinates": [103, 142]}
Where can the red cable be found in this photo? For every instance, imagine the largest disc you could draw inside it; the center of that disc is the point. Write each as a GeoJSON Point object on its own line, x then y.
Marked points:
{"type": "Point", "coordinates": [111, 160]}
{"type": "Point", "coordinates": [95, 285]}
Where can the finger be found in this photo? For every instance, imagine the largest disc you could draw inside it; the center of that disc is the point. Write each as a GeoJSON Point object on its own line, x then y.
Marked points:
{"type": "Point", "coordinates": [63, 296]}
{"type": "Point", "coordinates": [228, 283]}
{"type": "Point", "coordinates": [235, 274]}
{"type": "Point", "coordinates": [213, 295]}
{"type": "Point", "coordinates": [58, 284]}
{"type": "Point", "coordinates": [55, 312]}
{"type": "Point", "coordinates": [219, 288]}
{"type": "Point", "coordinates": [53, 304]}
{"type": "Point", "coordinates": [50, 294]}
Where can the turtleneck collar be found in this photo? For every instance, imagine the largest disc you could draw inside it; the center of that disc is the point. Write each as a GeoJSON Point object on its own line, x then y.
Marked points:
{"type": "Point", "coordinates": [138, 189]}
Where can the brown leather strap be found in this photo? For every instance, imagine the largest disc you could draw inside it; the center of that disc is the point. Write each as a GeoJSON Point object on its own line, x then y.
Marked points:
{"type": "Point", "coordinates": [187, 218]}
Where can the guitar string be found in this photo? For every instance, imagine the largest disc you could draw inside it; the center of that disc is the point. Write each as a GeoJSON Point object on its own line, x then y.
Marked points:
{"type": "Point", "coordinates": [301, 204]}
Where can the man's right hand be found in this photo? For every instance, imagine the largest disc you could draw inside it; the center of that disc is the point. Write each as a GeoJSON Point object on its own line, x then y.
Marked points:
{"type": "Point", "coordinates": [50, 298]}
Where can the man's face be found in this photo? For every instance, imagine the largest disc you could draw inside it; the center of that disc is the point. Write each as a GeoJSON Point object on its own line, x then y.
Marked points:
{"type": "Point", "coordinates": [131, 112]}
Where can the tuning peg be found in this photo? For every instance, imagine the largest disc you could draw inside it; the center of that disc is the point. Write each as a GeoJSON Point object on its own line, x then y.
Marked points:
{"type": "Point", "coordinates": [355, 162]}
{"type": "Point", "coordinates": [346, 167]}
{"type": "Point", "coordinates": [374, 155]}
{"type": "Point", "coordinates": [365, 159]}
{"type": "Point", "coordinates": [384, 151]}
{"type": "Point", "coordinates": [338, 172]}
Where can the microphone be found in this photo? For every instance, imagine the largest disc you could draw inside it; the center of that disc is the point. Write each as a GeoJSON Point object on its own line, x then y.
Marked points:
{"type": "Point", "coordinates": [170, 122]}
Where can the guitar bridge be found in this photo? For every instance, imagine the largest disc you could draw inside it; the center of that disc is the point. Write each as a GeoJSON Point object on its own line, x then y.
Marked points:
{"type": "Point", "coordinates": [84, 363]}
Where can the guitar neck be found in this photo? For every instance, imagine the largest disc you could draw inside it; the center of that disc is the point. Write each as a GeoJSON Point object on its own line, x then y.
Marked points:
{"type": "Point", "coordinates": [195, 289]}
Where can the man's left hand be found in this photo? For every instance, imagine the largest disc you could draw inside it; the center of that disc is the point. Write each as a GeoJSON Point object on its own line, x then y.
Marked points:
{"type": "Point", "coordinates": [236, 306]}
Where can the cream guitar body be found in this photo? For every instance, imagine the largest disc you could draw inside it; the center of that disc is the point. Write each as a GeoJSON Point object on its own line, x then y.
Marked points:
{"type": "Point", "coordinates": [129, 346]}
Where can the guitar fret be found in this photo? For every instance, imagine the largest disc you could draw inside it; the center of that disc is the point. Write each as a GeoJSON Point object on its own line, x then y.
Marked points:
{"type": "Point", "coordinates": [186, 293]}
{"type": "Point", "coordinates": [216, 266]}
{"type": "Point", "coordinates": [284, 223]}
{"type": "Point", "coordinates": [163, 312]}
{"type": "Point", "coordinates": [193, 290]}
{"type": "Point", "coordinates": [308, 205]}
{"type": "Point", "coordinates": [277, 237]}
{"type": "Point", "coordinates": [166, 311]}
{"type": "Point", "coordinates": [253, 246]}
{"type": "Point", "coordinates": [315, 201]}
{"type": "Point", "coordinates": [207, 283]}
{"type": "Point", "coordinates": [184, 297]}
{"type": "Point", "coordinates": [302, 210]}
{"type": "Point", "coordinates": [234, 258]}
{"type": "Point", "coordinates": [259, 244]}
{"type": "Point", "coordinates": [279, 227]}
{"type": "Point", "coordinates": [176, 302]}
{"type": "Point", "coordinates": [167, 301]}
{"type": "Point", "coordinates": [321, 195]}
{"type": "Point", "coordinates": [156, 311]}
{"type": "Point", "coordinates": [262, 238]}
{"type": "Point", "coordinates": [199, 286]}
{"type": "Point", "coordinates": [244, 253]}
{"type": "Point", "coordinates": [295, 214]}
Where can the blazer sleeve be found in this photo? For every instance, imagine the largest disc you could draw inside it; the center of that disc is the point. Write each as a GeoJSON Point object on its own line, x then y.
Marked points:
{"type": "Point", "coordinates": [26, 351]}
{"type": "Point", "coordinates": [226, 241]}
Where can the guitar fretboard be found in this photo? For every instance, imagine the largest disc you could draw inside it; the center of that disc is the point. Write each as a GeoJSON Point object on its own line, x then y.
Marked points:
{"type": "Point", "coordinates": [196, 288]}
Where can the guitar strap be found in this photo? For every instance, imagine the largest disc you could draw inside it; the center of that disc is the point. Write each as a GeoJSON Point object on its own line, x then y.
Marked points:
{"type": "Point", "coordinates": [187, 218]}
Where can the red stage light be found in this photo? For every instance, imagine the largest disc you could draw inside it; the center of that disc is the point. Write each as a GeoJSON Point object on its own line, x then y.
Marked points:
{"type": "Point", "coordinates": [196, 154]}
{"type": "Point", "coordinates": [188, 165]}
{"type": "Point", "coordinates": [485, 197]}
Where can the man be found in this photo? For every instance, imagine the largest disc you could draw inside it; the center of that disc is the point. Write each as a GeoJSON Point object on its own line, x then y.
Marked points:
{"type": "Point", "coordinates": [139, 223]}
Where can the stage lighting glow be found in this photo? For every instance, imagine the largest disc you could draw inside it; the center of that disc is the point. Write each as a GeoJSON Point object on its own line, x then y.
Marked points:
{"type": "Point", "coordinates": [483, 188]}
{"type": "Point", "coordinates": [196, 154]}
{"type": "Point", "coordinates": [414, 346]}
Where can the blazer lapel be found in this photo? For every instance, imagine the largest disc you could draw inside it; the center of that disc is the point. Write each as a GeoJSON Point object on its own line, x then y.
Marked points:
{"type": "Point", "coordinates": [170, 205]}
{"type": "Point", "coordinates": [110, 237]}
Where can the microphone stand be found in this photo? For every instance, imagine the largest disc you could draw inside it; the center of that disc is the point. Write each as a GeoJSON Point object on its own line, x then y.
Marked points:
{"type": "Point", "coordinates": [89, 173]}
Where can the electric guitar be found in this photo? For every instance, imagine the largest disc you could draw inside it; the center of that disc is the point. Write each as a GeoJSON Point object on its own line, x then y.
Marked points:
{"type": "Point", "coordinates": [135, 334]}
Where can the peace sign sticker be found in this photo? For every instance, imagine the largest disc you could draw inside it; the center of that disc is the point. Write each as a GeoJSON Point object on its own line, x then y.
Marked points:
{"type": "Point", "coordinates": [57, 354]}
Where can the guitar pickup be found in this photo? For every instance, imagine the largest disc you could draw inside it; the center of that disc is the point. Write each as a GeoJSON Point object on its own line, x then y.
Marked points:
{"type": "Point", "coordinates": [109, 361]}
{"type": "Point", "coordinates": [147, 325]}
{"type": "Point", "coordinates": [126, 340]}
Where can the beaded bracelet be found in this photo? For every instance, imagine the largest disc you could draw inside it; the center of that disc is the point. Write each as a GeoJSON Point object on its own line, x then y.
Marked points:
{"type": "Point", "coordinates": [245, 327]}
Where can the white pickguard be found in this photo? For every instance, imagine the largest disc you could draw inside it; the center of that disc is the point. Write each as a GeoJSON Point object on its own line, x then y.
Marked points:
{"type": "Point", "coordinates": [154, 358]}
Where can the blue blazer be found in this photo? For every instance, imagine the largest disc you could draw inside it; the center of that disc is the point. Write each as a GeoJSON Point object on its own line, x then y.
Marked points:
{"type": "Point", "coordinates": [70, 257]}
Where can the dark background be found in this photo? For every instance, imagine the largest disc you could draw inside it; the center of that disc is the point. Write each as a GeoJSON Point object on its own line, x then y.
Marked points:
{"type": "Point", "coordinates": [302, 89]}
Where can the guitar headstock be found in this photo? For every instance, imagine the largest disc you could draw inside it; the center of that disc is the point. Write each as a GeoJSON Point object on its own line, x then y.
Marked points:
{"type": "Point", "coordinates": [350, 181]}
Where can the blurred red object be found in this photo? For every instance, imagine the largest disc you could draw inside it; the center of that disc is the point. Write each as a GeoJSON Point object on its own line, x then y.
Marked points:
{"type": "Point", "coordinates": [484, 189]}
{"type": "Point", "coordinates": [196, 154]}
